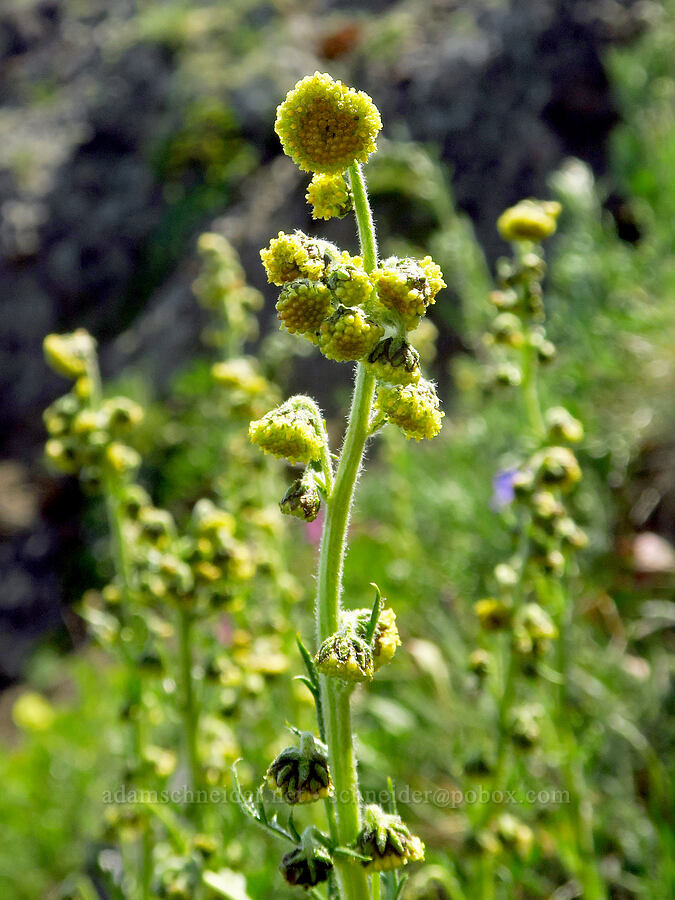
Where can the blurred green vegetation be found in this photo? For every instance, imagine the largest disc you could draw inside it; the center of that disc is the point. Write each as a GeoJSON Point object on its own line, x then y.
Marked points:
{"type": "Point", "coordinates": [426, 531]}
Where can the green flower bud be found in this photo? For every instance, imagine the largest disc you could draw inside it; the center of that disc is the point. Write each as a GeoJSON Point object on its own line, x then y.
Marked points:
{"type": "Point", "coordinates": [325, 126]}
{"type": "Point", "coordinates": [329, 196]}
{"type": "Point", "coordinates": [562, 426]}
{"type": "Point", "coordinates": [122, 460]}
{"type": "Point", "coordinates": [529, 220]}
{"type": "Point", "coordinates": [387, 840]}
{"type": "Point", "coordinates": [303, 305]}
{"type": "Point", "coordinates": [508, 375]}
{"type": "Point", "coordinates": [480, 662]}
{"type": "Point", "coordinates": [63, 454]}
{"type": "Point", "coordinates": [546, 506]}
{"type": "Point", "coordinates": [300, 774]}
{"type": "Point", "coordinates": [58, 417]}
{"type": "Point", "coordinates": [413, 407]}
{"type": "Point", "coordinates": [533, 630]}
{"type": "Point", "coordinates": [523, 483]}
{"type": "Point", "coordinates": [514, 835]}
{"type": "Point", "coordinates": [347, 656]}
{"type": "Point", "coordinates": [309, 864]}
{"type": "Point", "coordinates": [157, 526]}
{"type": "Point", "coordinates": [393, 360]}
{"type": "Point", "coordinates": [504, 301]}
{"type": "Point", "coordinates": [556, 467]}
{"type": "Point", "coordinates": [302, 499]}
{"type": "Point", "coordinates": [348, 280]}
{"type": "Point", "coordinates": [493, 614]}
{"type": "Point", "coordinates": [569, 532]}
{"type": "Point", "coordinates": [348, 334]}
{"type": "Point", "coordinates": [507, 329]}
{"type": "Point", "coordinates": [545, 351]}
{"type": "Point", "coordinates": [293, 256]}
{"type": "Point", "coordinates": [524, 726]}
{"type": "Point", "coordinates": [208, 519]}
{"type": "Point", "coordinates": [122, 414]}
{"type": "Point", "coordinates": [91, 479]}
{"type": "Point", "coordinates": [69, 354]}
{"type": "Point", "coordinates": [293, 431]}
{"type": "Point", "coordinates": [505, 576]}
{"type": "Point", "coordinates": [240, 374]}
{"type": "Point", "coordinates": [134, 498]}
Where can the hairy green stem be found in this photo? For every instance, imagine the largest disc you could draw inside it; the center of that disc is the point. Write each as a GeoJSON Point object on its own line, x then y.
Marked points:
{"type": "Point", "coordinates": [335, 697]}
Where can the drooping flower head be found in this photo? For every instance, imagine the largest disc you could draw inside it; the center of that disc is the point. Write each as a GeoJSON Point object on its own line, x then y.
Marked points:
{"type": "Point", "coordinates": [325, 126]}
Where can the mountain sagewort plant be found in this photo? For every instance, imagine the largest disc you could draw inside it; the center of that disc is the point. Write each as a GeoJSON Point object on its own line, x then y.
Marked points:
{"type": "Point", "coordinates": [361, 310]}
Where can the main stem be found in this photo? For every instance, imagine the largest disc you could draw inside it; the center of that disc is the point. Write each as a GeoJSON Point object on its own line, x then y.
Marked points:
{"type": "Point", "coordinates": [574, 770]}
{"type": "Point", "coordinates": [336, 697]}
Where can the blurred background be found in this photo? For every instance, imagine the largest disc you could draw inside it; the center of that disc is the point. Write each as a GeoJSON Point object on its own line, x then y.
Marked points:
{"type": "Point", "coordinates": [129, 128]}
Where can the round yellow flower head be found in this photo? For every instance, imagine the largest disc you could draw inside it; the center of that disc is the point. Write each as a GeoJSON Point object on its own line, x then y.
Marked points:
{"type": "Point", "coordinates": [68, 354]}
{"type": "Point", "coordinates": [529, 220]}
{"type": "Point", "coordinates": [240, 374]}
{"type": "Point", "coordinates": [325, 126]}
{"type": "Point", "coordinates": [348, 334]}
{"type": "Point", "coordinates": [348, 280]}
{"type": "Point", "coordinates": [303, 305]}
{"type": "Point", "coordinates": [408, 287]}
{"type": "Point", "coordinates": [562, 426]}
{"type": "Point", "coordinates": [413, 407]}
{"type": "Point", "coordinates": [556, 467]}
{"type": "Point", "coordinates": [291, 256]}
{"type": "Point", "coordinates": [292, 431]}
{"type": "Point", "coordinates": [329, 196]}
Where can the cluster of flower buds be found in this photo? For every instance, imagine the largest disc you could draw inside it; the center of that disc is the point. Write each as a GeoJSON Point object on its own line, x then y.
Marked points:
{"type": "Point", "coordinates": [300, 774]}
{"type": "Point", "coordinates": [386, 841]}
{"type": "Point", "coordinates": [366, 640]}
{"type": "Point", "coordinates": [539, 489]}
{"type": "Point", "coordinates": [329, 298]}
{"type": "Point", "coordinates": [86, 434]}
{"type": "Point", "coordinates": [326, 294]}
{"type": "Point", "coordinates": [221, 287]}
{"type": "Point", "coordinates": [518, 300]}
{"type": "Point", "coordinates": [199, 569]}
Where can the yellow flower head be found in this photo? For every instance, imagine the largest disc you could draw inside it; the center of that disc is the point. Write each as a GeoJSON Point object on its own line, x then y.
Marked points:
{"type": "Point", "coordinates": [303, 305]}
{"type": "Point", "coordinates": [348, 334]}
{"type": "Point", "coordinates": [413, 407]}
{"type": "Point", "coordinates": [291, 256]}
{"type": "Point", "coordinates": [529, 220]}
{"type": "Point", "coordinates": [69, 354]}
{"type": "Point", "coordinates": [292, 431]}
{"type": "Point", "coordinates": [348, 280]}
{"type": "Point", "coordinates": [325, 126]}
{"type": "Point", "coordinates": [329, 196]}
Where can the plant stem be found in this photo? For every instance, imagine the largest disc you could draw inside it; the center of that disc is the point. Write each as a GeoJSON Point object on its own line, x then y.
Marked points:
{"type": "Point", "coordinates": [335, 697]}
{"type": "Point", "coordinates": [188, 706]}
{"type": "Point", "coordinates": [530, 367]}
{"type": "Point", "coordinates": [573, 765]}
